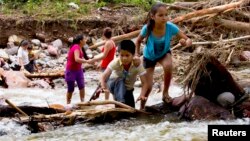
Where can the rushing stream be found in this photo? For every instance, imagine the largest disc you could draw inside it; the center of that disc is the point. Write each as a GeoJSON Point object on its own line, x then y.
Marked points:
{"type": "Point", "coordinates": [142, 129]}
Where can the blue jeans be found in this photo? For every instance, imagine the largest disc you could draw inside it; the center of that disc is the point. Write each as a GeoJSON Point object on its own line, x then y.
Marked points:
{"type": "Point", "coordinates": [118, 89]}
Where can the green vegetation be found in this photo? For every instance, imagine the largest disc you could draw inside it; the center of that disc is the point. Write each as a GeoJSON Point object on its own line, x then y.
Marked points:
{"type": "Point", "coordinates": [60, 8]}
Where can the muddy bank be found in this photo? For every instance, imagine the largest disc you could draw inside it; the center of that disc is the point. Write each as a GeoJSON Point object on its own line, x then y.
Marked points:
{"type": "Point", "coordinates": [53, 29]}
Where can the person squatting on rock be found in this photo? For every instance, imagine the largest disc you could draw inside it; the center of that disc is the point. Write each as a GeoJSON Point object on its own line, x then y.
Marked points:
{"type": "Point", "coordinates": [158, 33]}
{"type": "Point", "coordinates": [23, 57]}
{"type": "Point", "coordinates": [74, 71]}
{"type": "Point", "coordinates": [123, 74]}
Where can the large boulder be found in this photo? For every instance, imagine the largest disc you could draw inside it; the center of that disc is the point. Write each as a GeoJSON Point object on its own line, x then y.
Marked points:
{"type": "Point", "coordinates": [199, 108]}
{"type": "Point", "coordinates": [16, 79]}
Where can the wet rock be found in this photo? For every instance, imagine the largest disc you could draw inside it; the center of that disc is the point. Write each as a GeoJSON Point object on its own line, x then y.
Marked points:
{"type": "Point", "coordinates": [44, 45]}
{"type": "Point", "coordinates": [41, 63]}
{"type": "Point", "coordinates": [12, 51]}
{"type": "Point", "coordinates": [70, 40]}
{"type": "Point", "coordinates": [199, 108]}
{"type": "Point", "coordinates": [51, 64]}
{"type": "Point", "coordinates": [15, 39]}
{"type": "Point", "coordinates": [52, 50]}
{"type": "Point", "coordinates": [16, 79]}
{"type": "Point", "coordinates": [3, 54]}
{"type": "Point", "coordinates": [39, 84]}
{"type": "Point", "coordinates": [41, 54]}
{"type": "Point", "coordinates": [10, 45]}
{"type": "Point", "coordinates": [41, 36]}
{"type": "Point", "coordinates": [93, 32]}
{"type": "Point", "coordinates": [36, 42]}
{"type": "Point", "coordinates": [64, 51]}
{"type": "Point", "coordinates": [245, 56]}
{"type": "Point", "coordinates": [57, 44]}
{"type": "Point", "coordinates": [4, 64]}
{"type": "Point", "coordinates": [59, 83]}
{"type": "Point", "coordinates": [61, 60]}
{"type": "Point", "coordinates": [2, 133]}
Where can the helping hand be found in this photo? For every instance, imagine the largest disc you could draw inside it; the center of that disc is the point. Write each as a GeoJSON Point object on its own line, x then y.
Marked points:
{"type": "Point", "coordinates": [186, 43]}
{"type": "Point", "coordinates": [137, 61]}
{"type": "Point", "coordinates": [142, 98]}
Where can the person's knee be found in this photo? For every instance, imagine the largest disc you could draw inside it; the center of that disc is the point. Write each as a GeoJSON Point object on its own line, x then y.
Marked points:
{"type": "Point", "coordinates": [226, 99]}
{"type": "Point", "coordinates": [167, 66]}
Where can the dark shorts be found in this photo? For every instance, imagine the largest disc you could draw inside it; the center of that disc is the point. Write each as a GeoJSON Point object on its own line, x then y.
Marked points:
{"type": "Point", "coordinates": [29, 67]}
{"type": "Point", "coordinates": [150, 64]}
{"type": "Point", "coordinates": [72, 76]}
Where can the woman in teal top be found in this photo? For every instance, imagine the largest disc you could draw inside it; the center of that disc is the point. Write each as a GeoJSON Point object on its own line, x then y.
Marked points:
{"type": "Point", "coordinates": [158, 33]}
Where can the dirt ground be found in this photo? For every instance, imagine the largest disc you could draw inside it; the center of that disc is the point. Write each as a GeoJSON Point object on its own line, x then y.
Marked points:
{"type": "Point", "coordinates": [119, 18]}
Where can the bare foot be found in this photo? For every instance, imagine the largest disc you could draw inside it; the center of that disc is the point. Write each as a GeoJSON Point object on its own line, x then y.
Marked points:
{"type": "Point", "coordinates": [167, 99]}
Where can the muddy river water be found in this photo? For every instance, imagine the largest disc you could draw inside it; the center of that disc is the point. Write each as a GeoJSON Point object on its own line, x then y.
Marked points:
{"type": "Point", "coordinates": [143, 129]}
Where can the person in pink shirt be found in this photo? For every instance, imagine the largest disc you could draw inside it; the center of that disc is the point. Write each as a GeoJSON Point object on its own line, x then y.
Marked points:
{"type": "Point", "coordinates": [74, 71]}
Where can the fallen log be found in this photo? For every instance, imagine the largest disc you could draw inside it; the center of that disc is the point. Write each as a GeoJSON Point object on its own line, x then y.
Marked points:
{"type": "Point", "coordinates": [118, 38]}
{"type": "Point", "coordinates": [7, 111]}
{"type": "Point", "coordinates": [37, 118]}
{"type": "Point", "coordinates": [119, 104]}
{"type": "Point", "coordinates": [234, 25]}
{"type": "Point", "coordinates": [216, 9]}
{"type": "Point", "coordinates": [45, 75]}
{"type": "Point", "coordinates": [177, 7]}
{"type": "Point", "coordinates": [82, 115]}
{"type": "Point", "coordinates": [15, 107]}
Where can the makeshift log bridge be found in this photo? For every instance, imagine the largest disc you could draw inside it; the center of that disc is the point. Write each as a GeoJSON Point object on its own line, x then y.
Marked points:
{"type": "Point", "coordinates": [54, 116]}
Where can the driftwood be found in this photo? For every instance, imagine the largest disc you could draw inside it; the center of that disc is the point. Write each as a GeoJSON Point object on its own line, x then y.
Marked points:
{"type": "Point", "coordinates": [7, 111]}
{"type": "Point", "coordinates": [177, 7]}
{"type": "Point", "coordinates": [118, 38]}
{"type": "Point", "coordinates": [234, 25]}
{"type": "Point", "coordinates": [214, 42]}
{"type": "Point", "coordinates": [212, 10]}
{"type": "Point", "coordinates": [15, 107]}
{"type": "Point", "coordinates": [44, 75]}
{"type": "Point", "coordinates": [37, 118]}
{"type": "Point", "coordinates": [197, 13]}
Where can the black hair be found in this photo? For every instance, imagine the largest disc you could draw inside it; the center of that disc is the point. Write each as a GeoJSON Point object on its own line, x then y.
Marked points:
{"type": "Point", "coordinates": [24, 43]}
{"type": "Point", "coordinates": [127, 45]}
{"type": "Point", "coordinates": [77, 40]}
{"type": "Point", "coordinates": [107, 32]}
{"type": "Point", "coordinates": [149, 21]}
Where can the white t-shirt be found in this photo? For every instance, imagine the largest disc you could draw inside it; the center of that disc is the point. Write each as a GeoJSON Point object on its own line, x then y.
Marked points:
{"type": "Point", "coordinates": [23, 54]}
